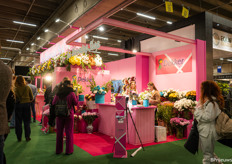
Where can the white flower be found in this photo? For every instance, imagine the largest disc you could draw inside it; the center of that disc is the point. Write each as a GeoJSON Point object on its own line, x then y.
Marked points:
{"type": "Point", "coordinates": [95, 91]}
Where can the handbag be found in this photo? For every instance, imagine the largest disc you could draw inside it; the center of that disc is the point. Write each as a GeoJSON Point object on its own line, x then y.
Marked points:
{"type": "Point", "coordinates": [62, 109]}
{"type": "Point", "coordinates": [193, 140]}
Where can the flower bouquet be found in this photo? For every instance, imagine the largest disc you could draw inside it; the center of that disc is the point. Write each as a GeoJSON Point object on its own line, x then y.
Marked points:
{"type": "Point", "coordinates": [145, 96]}
{"type": "Point", "coordinates": [90, 101]}
{"type": "Point", "coordinates": [191, 95]}
{"type": "Point", "coordinates": [89, 119]}
{"type": "Point", "coordinates": [180, 124]}
{"type": "Point", "coordinates": [76, 118]}
{"type": "Point", "coordinates": [173, 96]}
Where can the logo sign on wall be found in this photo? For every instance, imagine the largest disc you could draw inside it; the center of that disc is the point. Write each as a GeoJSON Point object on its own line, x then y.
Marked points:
{"type": "Point", "coordinates": [222, 40]}
{"type": "Point", "coordinates": [176, 62]}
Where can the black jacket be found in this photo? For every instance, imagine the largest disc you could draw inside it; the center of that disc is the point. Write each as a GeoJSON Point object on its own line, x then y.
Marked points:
{"type": "Point", "coordinates": [10, 104]}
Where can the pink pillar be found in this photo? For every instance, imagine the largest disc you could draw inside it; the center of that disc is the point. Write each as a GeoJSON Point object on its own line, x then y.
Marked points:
{"type": "Point", "coordinates": [41, 83]}
{"type": "Point", "coordinates": [36, 82]}
{"type": "Point", "coordinates": [200, 65]}
{"type": "Point", "coordinates": [142, 72]}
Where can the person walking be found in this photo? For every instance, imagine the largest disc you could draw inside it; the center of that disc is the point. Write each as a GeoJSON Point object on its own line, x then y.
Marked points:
{"type": "Point", "coordinates": [209, 107]}
{"type": "Point", "coordinates": [5, 85]}
{"type": "Point", "coordinates": [24, 97]}
{"type": "Point", "coordinates": [34, 92]}
{"type": "Point", "coordinates": [65, 92]}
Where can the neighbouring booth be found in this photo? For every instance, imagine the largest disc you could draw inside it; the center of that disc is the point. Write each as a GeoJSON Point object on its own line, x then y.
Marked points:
{"type": "Point", "coordinates": [176, 70]}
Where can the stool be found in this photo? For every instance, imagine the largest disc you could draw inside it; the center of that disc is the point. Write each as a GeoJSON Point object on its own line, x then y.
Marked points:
{"type": "Point", "coordinates": [160, 133]}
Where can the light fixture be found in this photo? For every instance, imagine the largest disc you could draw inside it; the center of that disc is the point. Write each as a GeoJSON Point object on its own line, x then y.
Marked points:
{"type": "Point", "coordinates": [46, 30]}
{"type": "Point", "coordinates": [169, 22]}
{"type": "Point", "coordinates": [218, 24]}
{"type": "Point", "coordinates": [38, 38]}
{"type": "Point", "coordinates": [221, 59]}
{"type": "Point", "coordinates": [86, 36]}
{"type": "Point", "coordinates": [5, 58]}
{"type": "Point", "coordinates": [48, 78]}
{"type": "Point", "coordinates": [32, 44]}
{"type": "Point", "coordinates": [28, 49]}
{"type": "Point", "coordinates": [101, 28]}
{"type": "Point", "coordinates": [112, 54]}
{"type": "Point", "coordinates": [57, 20]}
{"type": "Point", "coordinates": [99, 37]}
{"type": "Point", "coordinates": [119, 41]}
{"type": "Point", "coordinates": [146, 16]}
{"type": "Point", "coordinates": [134, 51]}
{"type": "Point", "coordinates": [230, 60]}
{"type": "Point", "coordinates": [15, 41]}
{"type": "Point", "coordinates": [23, 23]}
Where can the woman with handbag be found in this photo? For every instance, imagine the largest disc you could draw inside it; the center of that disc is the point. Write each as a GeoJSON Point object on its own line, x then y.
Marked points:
{"type": "Point", "coordinates": [24, 97]}
{"type": "Point", "coordinates": [64, 102]}
{"type": "Point", "coordinates": [207, 110]}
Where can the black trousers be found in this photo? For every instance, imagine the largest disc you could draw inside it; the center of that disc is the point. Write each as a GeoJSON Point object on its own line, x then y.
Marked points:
{"type": "Point", "coordinates": [22, 113]}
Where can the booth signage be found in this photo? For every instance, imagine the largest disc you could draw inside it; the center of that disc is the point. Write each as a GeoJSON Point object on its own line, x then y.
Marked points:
{"type": "Point", "coordinates": [177, 62]}
{"type": "Point", "coordinates": [222, 40]}
{"type": "Point", "coordinates": [223, 77]}
{"type": "Point", "coordinates": [219, 69]}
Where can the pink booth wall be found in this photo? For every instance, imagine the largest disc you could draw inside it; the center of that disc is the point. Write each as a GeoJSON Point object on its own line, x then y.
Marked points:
{"type": "Point", "coordinates": [182, 81]}
{"type": "Point", "coordinates": [100, 77]}
{"type": "Point", "coordinates": [122, 68]}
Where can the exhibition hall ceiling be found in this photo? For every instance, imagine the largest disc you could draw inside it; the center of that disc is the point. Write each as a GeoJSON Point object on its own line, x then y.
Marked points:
{"type": "Point", "coordinates": [42, 13]}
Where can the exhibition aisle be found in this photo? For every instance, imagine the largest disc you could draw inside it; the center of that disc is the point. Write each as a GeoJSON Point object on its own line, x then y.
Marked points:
{"type": "Point", "coordinates": [41, 150]}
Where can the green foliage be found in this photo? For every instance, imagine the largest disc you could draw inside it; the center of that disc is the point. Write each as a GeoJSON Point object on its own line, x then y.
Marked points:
{"type": "Point", "coordinates": [224, 87]}
{"type": "Point", "coordinates": [92, 84]}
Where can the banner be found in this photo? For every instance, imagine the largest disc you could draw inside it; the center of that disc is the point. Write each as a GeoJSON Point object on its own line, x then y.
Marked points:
{"type": "Point", "coordinates": [168, 6]}
{"type": "Point", "coordinates": [222, 40]}
{"type": "Point", "coordinates": [176, 62]}
{"type": "Point", "coordinates": [185, 12]}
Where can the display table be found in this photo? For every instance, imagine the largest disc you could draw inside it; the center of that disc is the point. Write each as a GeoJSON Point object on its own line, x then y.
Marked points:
{"type": "Point", "coordinates": [39, 103]}
{"type": "Point", "coordinates": [144, 118]}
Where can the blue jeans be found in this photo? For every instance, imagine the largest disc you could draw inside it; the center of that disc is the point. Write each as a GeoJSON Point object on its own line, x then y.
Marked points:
{"type": "Point", "coordinates": [33, 110]}
{"type": "Point", "coordinates": [12, 121]}
{"type": "Point", "coordinates": [22, 113]}
{"type": "Point", "coordinates": [1, 149]}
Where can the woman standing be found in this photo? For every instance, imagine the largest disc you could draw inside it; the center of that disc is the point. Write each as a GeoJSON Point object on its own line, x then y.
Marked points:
{"type": "Point", "coordinates": [65, 92]}
{"type": "Point", "coordinates": [155, 99]}
{"type": "Point", "coordinates": [24, 97]}
{"type": "Point", "coordinates": [207, 110]}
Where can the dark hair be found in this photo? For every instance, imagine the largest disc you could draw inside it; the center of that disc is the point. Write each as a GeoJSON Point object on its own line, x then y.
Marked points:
{"type": "Point", "coordinates": [209, 89]}
{"type": "Point", "coordinates": [29, 80]}
{"type": "Point", "coordinates": [20, 81]}
{"type": "Point", "coordinates": [64, 90]}
{"type": "Point", "coordinates": [152, 84]}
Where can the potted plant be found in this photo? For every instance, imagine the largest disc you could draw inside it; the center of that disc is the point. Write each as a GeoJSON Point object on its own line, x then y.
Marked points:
{"type": "Point", "coordinates": [180, 124]}
{"type": "Point", "coordinates": [99, 91]}
{"type": "Point", "coordinates": [79, 91]}
{"type": "Point", "coordinates": [90, 101]}
{"type": "Point", "coordinates": [89, 119]}
{"type": "Point", "coordinates": [145, 96]}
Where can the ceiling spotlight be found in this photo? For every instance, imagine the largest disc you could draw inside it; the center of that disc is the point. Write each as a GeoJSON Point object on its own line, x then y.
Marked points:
{"type": "Point", "coordinates": [112, 54]}
{"type": "Point", "coordinates": [23, 23]}
{"type": "Point", "coordinates": [86, 36]}
{"type": "Point", "coordinates": [5, 58]}
{"type": "Point", "coordinates": [169, 22]}
{"type": "Point", "coordinates": [38, 38]}
{"type": "Point", "coordinates": [32, 44]}
{"type": "Point", "coordinates": [57, 20]}
{"type": "Point", "coordinates": [218, 24]}
{"type": "Point", "coordinates": [221, 59]}
{"type": "Point", "coordinates": [15, 41]}
{"type": "Point", "coordinates": [46, 30]}
{"type": "Point", "coordinates": [146, 16]}
{"type": "Point", "coordinates": [101, 28]}
{"type": "Point", "coordinates": [229, 60]}
{"type": "Point", "coordinates": [119, 41]}
{"type": "Point", "coordinates": [28, 49]}
{"type": "Point", "coordinates": [134, 51]}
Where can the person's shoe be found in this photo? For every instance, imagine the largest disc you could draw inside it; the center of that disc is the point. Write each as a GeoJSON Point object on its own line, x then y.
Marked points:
{"type": "Point", "coordinates": [68, 153]}
{"type": "Point", "coordinates": [28, 139]}
{"type": "Point", "coordinates": [58, 153]}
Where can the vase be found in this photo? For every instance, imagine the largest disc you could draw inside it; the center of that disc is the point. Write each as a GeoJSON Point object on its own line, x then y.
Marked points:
{"type": "Point", "coordinates": [99, 99]}
{"type": "Point", "coordinates": [134, 102]}
{"type": "Point", "coordinates": [179, 132]}
{"type": "Point", "coordinates": [91, 104]}
{"type": "Point", "coordinates": [146, 103]}
{"type": "Point", "coordinates": [89, 129]}
{"type": "Point", "coordinates": [81, 97]}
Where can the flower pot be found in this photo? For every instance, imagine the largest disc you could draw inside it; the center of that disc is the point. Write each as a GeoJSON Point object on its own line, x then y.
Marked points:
{"type": "Point", "coordinates": [146, 103]}
{"type": "Point", "coordinates": [91, 105]}
{"type": "Point", "coordinates": [89, 129]}
{"type": "Point", "coordinates": [99, 99]}
{"type": "Point", "coordinates": [81, 97]}
{"type": "Point", "coordinates": [134, 102]}
{"type": "Point", "coordinates": [179, 132]}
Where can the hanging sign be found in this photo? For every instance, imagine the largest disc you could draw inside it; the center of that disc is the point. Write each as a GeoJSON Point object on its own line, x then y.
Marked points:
{"type": "Point", "coordinates": [222, 40]}
{"type": "Point", "coordinates": [185, 12]}
{"type": "Point", "coordinates": [176, 62]}
{"type": "Point", "coordinates": [219, 69]}
{"type": "Point", "coordinates": [168, 6]}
